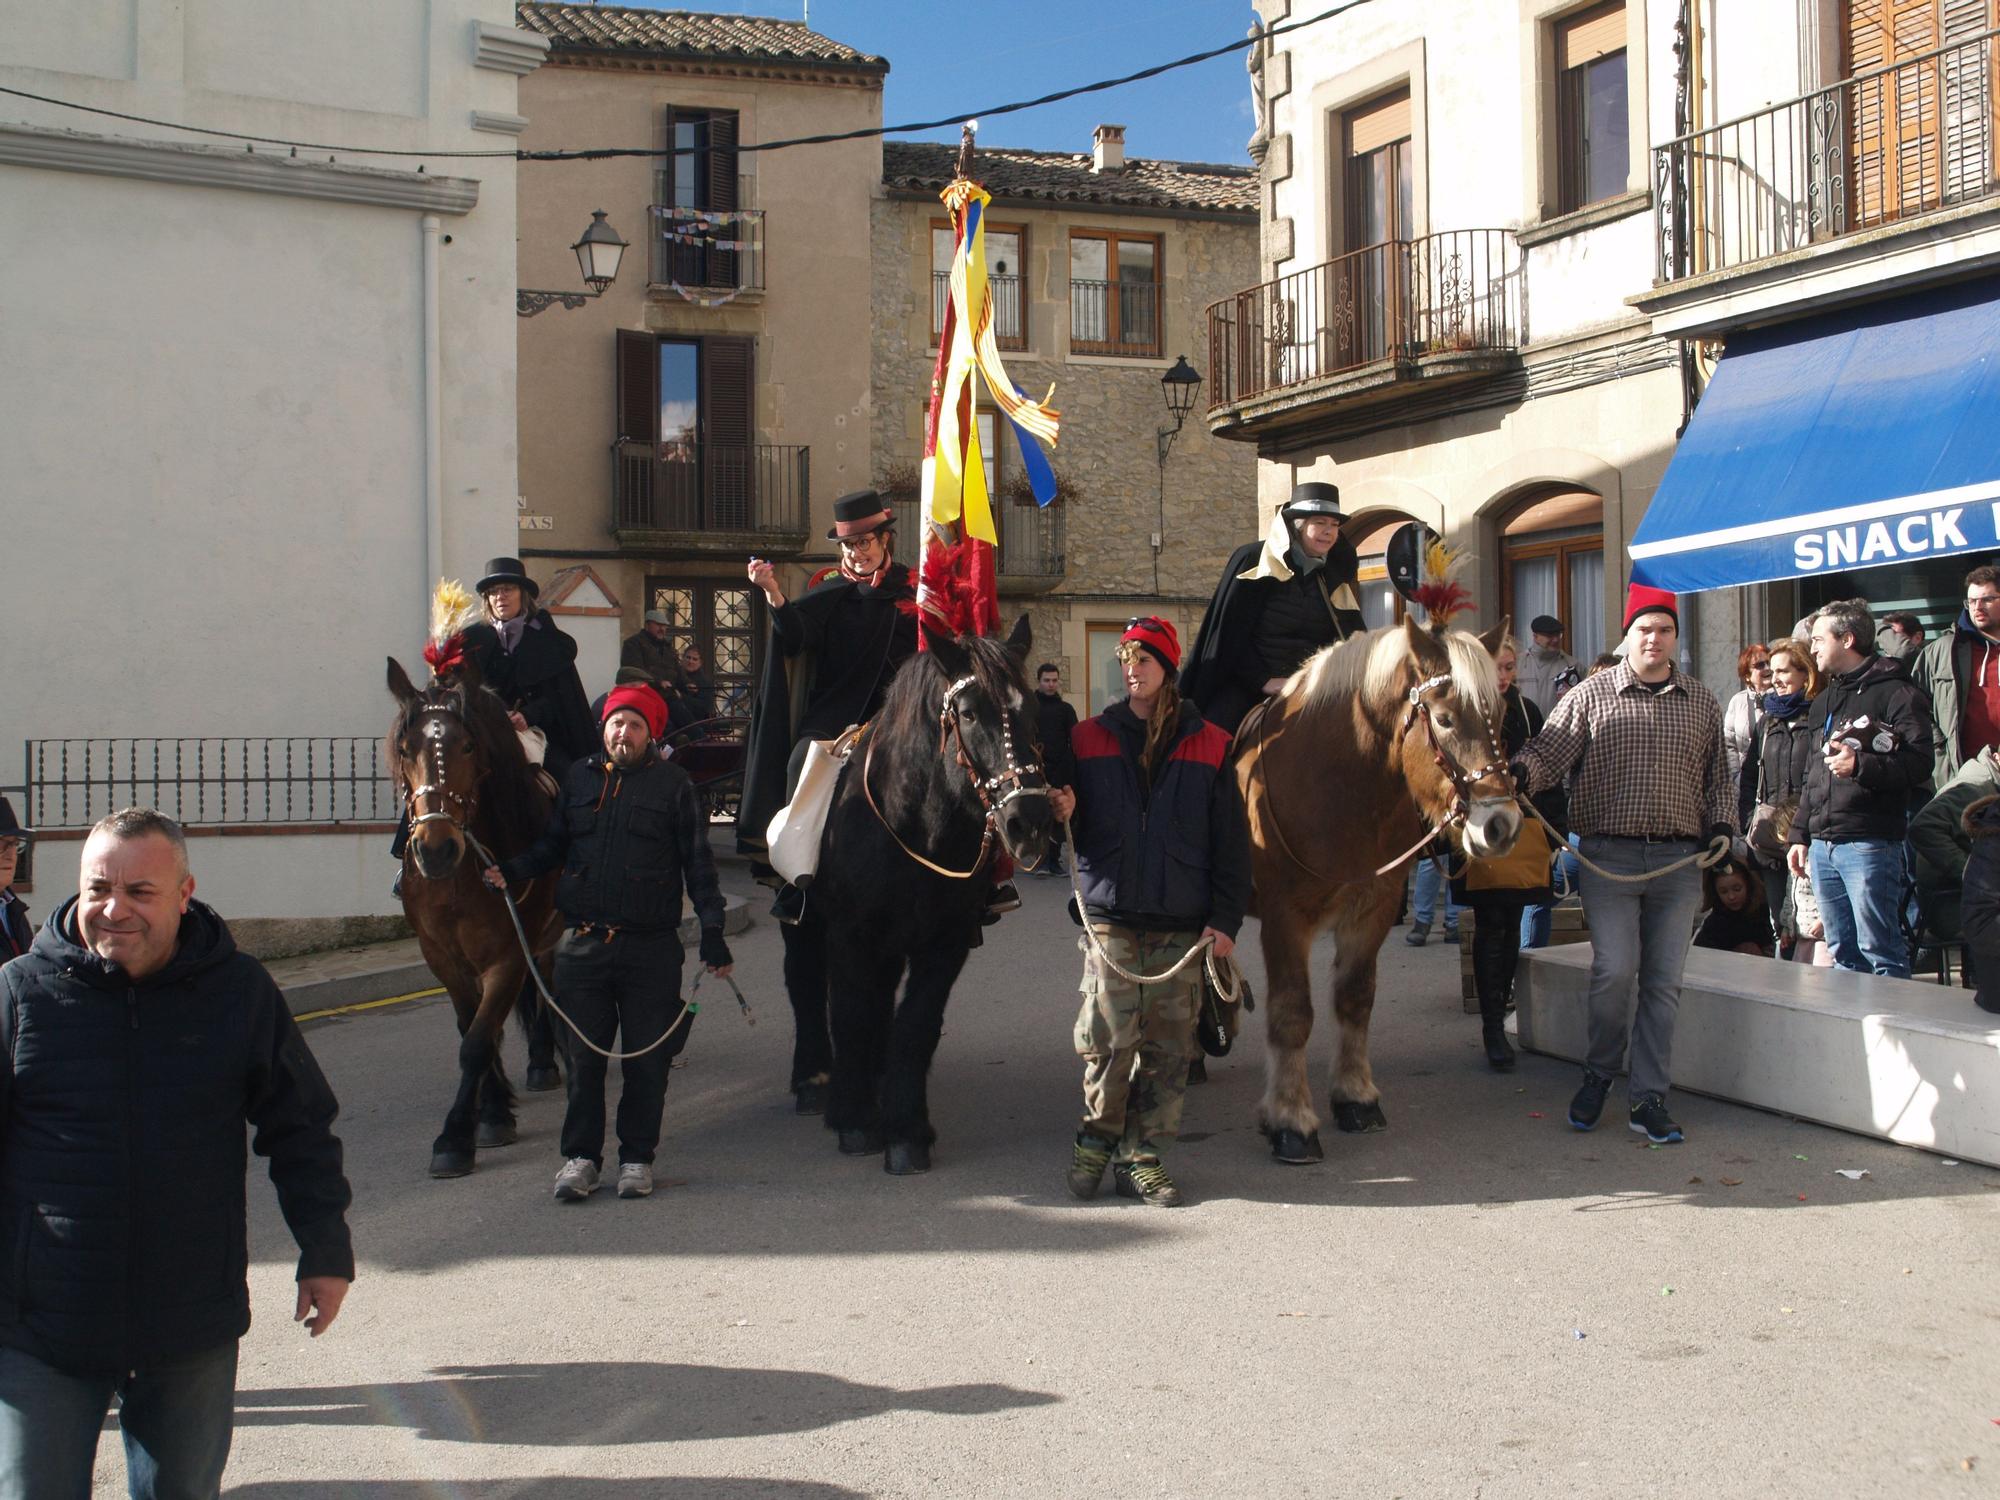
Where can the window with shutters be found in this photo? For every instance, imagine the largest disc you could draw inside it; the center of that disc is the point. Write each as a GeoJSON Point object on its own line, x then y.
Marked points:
{"type": "Point", "coordinates": [706, 236]}
{"type": "Point", "coordinates": [1924, 76]}
{"type": "Point", "coordinates": [1593, 131]}
{"type": "Point", "coordinates": [1367, 285]}
{"type": "Point", "coordinates": [1114, 293]}
{"type": "Point", "coordinates": [1006, 245]}
{"type": "Point", "coordinates": [688, 460]}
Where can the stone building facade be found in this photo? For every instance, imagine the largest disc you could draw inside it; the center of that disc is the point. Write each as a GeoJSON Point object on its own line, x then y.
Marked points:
{"type": "Point", "coordinates": [1131, 534]}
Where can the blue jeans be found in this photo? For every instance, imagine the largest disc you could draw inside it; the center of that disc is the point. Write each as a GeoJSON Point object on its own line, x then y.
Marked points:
{"type": "Point", "coordinates": [1642, 932]}
{"type": "Point", "coordinates": [175, 1418]}
{"type": "Point", "coordinates": [1424, 900]}
{"type": "Point", "coordinates": [1860, 891]}
{"type": "Point", "coordinates": [1538, 921]}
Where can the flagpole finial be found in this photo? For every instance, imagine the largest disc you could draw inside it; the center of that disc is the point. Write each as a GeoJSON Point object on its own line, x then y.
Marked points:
{"type": "Point", "coordinates": [965, 134]}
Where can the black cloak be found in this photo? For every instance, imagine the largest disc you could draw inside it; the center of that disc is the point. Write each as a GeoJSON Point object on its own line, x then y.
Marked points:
{"type": "Point", "coordinates": [848, 639]}
{"type": "Point", "coordinates": [539, 681]}
{"type": "Point", "coordinates": [1260, 628]}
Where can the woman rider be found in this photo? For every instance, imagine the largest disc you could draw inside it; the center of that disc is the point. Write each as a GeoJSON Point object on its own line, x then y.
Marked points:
{"type": "Point", "coordinates": [1279, 602]}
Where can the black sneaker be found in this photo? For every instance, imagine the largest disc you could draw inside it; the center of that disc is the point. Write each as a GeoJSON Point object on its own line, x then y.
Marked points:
{"type": "Point", "coordinates": [1588, 1104]}
{"type": "Point", "coordinates": [1088, 1159]}
{"type": "Point", "coordinates": [1147, 1181]}
{"type": "Point", "coordinates": [1650, 1119]}
{"type": "Point", "coordinates": [1416, 935]}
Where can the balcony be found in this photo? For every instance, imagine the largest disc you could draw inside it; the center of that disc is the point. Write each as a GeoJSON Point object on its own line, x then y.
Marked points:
{"type": "Point", "coordinates": [706, 497]}
{"type": "Point", "coordinates": [1009, 330]}
{"type": "Point", "coordinates": [1030, 556]}
{"type": "Point", "coordinates": [1118, 318]}
{"type": "Point", "coordinates": [1883, 180]}
{"type": "Point", "coordinates": [1366, 330]}
{"type": "Point", "coordinates": [707, 256]}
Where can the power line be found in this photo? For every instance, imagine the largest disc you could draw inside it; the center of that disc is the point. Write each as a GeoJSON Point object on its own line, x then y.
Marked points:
{"type": "Point", "coordinates": [601, 153]}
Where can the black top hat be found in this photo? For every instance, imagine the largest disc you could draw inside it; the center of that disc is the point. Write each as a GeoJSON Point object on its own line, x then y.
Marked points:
{"type": "Point", "coordinates": [10, 826]}
{"type": "Point", "coordinates": [509, 570]}
{"type": "Point", "coordinates": [1314, 498]}
{"type": "Point", "coordinates": [858, 514]}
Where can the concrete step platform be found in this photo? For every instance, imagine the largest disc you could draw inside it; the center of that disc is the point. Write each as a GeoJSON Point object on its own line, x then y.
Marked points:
{"type": "Point", "coordinates": [1897, 1059]}
{"type": "Point", "coordinates": [318, 982]}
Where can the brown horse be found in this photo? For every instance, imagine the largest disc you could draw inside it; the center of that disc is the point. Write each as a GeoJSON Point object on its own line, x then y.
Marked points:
{"type": "Point", "coordinates": [1368, 744]}
{"type": "Point", "coordinates": [465, 778]}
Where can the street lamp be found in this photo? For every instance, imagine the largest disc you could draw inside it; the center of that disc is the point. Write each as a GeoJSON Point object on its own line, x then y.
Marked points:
{"type": "Point", "coordinates": [598, 252]}
{"type": "Point", "coordinates": [1179, 386]}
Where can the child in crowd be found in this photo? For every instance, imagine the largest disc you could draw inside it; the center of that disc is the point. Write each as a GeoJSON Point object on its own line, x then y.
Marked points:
{"type": "Point", "coordinates": [1736, 920]}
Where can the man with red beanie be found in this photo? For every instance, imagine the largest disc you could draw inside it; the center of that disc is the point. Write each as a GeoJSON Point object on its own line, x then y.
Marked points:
{"type": "Point", "coordinates": [629, 834]}
{"type": "Point", "coordinates": [1162, 851]}
{"type": "Point", "coordinates": [1652, 788]}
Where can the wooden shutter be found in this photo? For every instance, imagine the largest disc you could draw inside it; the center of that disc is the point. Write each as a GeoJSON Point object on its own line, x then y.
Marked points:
{"type": "Point", "coordinates": [721, 162]}
{"type": "Point", "coordinates": [1894, 114]}
{"type": "Point", "coordinates": [1589, 35]}
{"type": "Point", "coordinates": [638, 387]}
{"type": "Point", "coordinates": [1966, 80]}
{"type": "Point", "coordinates": [728, 430]}
{"type": "Point", "coordinates": [1374, 125]}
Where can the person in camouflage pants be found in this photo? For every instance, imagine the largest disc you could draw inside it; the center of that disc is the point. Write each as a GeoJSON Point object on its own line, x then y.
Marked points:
{"type": "Point", "coordinates": [1162, 859]}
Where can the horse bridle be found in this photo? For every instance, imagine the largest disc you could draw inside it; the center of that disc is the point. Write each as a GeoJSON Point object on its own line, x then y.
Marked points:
{"type": "Point", "coordinates": [1462, 781]}
{"type": "Point", "coordinates": [467, 802]}
{"type": "Point", "coordinates": [994, 792]}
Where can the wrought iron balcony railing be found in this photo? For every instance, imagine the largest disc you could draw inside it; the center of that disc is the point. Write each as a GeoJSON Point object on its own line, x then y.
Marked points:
{"type": "Point", "coordinates": [714, 251]}
{"type": "Point", "coordinates": [709, 487]}
{"type": "Point", "coordinates": [1009, 329]}
{"type": "Point", "coordinates": [1905, 139]}
{"type": "Point", "coordinates": [1031, 542]}
{"type": "Point", "coordinates": [1462, 291]}
{"type": "Point", "coordinates": [1115, 317]}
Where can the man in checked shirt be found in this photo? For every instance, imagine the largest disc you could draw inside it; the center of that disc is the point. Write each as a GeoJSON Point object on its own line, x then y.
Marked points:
{"type": "Point", "coordinates": [1652, 787]}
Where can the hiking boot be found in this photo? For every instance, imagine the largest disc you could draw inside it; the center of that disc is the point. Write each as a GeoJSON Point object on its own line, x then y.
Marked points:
{"type": "Point", "coordinates": [577, 1180]}
{"type": "Point", "coordinates": [1418, 935]}
{"type": "Point", "coordinates": [1148, 1182]}
{"type": "Point", "coordinates": [1004, 897]}
{"type": "Point", "coordinates": [1087, 1161]}
{"type": "Point", "coordinates": [1451, 932]}
{"type": "Point", "coordinates": [790, 905]}
{"type": "Point", "coordinates": [635, 1179]}
{"type": "Point", "coordinates": [1650, 1119]}
{"type": "Point", "coordinates": [1588, 1104]}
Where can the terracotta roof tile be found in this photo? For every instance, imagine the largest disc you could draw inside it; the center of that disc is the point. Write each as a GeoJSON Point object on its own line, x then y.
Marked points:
{"type": "Point", "coordinates": [690, 34]}
{"type": "Point", "coordinates": [1065, 177]}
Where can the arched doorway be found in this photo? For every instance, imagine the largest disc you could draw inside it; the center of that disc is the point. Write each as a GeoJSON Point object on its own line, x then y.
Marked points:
{"type": "Point", "coordinates": [1552, 563]}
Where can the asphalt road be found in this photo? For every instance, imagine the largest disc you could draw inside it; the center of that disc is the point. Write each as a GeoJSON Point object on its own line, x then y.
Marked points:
{"type": "Point", "coordinates": [1477, 1302]}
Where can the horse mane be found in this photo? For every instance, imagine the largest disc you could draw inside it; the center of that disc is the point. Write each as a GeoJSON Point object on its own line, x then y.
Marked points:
{"type": "Point", "coordinates": [909, 709]}
{"type": "Point", "coordinates": [1369, 666]}
{"type": "Point", "coordinates": [510, 783]}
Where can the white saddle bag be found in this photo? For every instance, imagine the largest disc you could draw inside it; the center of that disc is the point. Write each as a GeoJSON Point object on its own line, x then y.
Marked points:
{"type": "Point", "coordinates": [794, 834]}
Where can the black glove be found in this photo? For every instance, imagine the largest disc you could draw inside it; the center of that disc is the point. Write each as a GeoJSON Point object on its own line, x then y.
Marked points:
{"type": "Point", "coordinates": [1721, 839]}
{"type": "Point", "coordinates": [1518, 769]}
{"type": "Point", "coordinates": [714, 951]}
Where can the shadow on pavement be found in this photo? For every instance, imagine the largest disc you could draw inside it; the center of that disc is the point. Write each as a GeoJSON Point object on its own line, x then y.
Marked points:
{"type": "Point", "coordinates": [588, 1404]}
{"type": "Point", "coordinates": [570, 1487]}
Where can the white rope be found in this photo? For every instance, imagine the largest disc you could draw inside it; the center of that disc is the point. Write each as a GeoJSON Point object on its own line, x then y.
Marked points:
{"type": "Point", "coordinates": [1706, 858]}
{"type": "Point", "coordinates": [1229, 989]}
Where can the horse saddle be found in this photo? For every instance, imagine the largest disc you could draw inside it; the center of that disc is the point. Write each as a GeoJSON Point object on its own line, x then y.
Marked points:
{"type": "Point", "coordinates": [794, 833]}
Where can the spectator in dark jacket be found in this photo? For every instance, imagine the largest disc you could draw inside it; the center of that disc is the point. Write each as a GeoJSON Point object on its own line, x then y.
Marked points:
{"type": "Point", "coordinates": [1152, 776]}
{"type": "Point", "coordinates": [15, 931]}
{"type": "Point", "coordinates": [648, 652]}
{"type": "Point", "coordinates": [1872, 726]}
{"type": "Point", "coordinates": [136, 1044]}
{"type": "Point", "coordinates": [628, 832]}
{"type": "Point", "coordinates": [1981, 918]}
{"type": "Point", "coordinates": [1942, 845]}
{"type": "Point", "coordinates": [525, 657]}
{"type": "Point", "coordinates": [1056, 722]}
{"type": "Point", "coordinates": [1734, 916]}
{"type": "Point", "coordinates": [1774, 772]}
{"type": "Point", "coordinates": [1961, 672]}
{"type": "Point", "coordinates": [700, 691]}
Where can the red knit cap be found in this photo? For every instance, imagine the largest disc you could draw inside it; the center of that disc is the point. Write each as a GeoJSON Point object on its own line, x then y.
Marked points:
{"type": "Point", "coordinates": [641, 700]}
{"type": "Point", "coordinates": [1157, 636]}
{"type": "Point", "coordinates": [1641, 600]}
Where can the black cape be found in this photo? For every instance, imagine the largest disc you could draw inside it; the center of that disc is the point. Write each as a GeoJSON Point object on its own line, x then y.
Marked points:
{"type": "Point", "coordinates": [540, 682]}
{"type": "Point", "coordinates": [1225, 673]}
{"type": "Point", "coordinates": [827, 663]}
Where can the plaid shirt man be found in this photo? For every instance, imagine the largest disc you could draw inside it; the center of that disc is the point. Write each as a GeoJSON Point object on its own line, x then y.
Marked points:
{"type": "Point", "coordinates": [1649, 758]}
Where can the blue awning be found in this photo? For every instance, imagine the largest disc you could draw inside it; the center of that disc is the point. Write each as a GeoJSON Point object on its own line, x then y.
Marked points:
{"type": "Point", "coordinates": [1862, 437]}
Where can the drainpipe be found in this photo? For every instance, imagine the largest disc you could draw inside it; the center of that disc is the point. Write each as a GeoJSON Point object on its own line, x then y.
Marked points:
{"type": "Point", "coordinates": [433, 423]}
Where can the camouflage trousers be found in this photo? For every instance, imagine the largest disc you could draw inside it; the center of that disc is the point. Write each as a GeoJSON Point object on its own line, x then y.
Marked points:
{"type": "Point", "coordinates": [1136, 1041]}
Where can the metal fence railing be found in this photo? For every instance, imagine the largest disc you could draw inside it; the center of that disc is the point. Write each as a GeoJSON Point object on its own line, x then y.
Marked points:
{"type": "Point", "coordinates": [1895, 141]}
{"type": "Point", "coordinates": [1460, 291]}
{"type": "Point", "coordinates": [1114, 317]}
{"type": "Point", "coordinates": [1009, 331]}
{"type": "Point", "coordinates": [210, 780]}
{"type": "Point", "coordinates": [709, 249]}
{"type": "Point", "coordinates": [712, 487]}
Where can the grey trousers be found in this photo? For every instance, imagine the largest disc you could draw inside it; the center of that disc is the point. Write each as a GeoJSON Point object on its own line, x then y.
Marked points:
{"type": "Point", "coordinates": [1637, 932]}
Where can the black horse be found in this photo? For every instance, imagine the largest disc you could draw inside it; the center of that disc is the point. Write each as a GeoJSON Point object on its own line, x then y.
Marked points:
{"type": "Point", "coordinates": [947, 773]}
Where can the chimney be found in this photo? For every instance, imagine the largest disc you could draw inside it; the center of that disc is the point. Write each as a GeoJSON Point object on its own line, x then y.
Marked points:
{"type": "Point", "coordinates": [1108, 149]}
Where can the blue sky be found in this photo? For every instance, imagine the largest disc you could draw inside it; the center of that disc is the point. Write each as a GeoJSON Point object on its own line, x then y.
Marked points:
{"type": "Point", "coordinates": [1200, 113]}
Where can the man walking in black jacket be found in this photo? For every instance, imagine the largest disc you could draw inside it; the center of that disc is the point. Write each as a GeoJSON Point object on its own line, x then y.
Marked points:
{"type": "Point", "coordinates": [1055, 721]}
{"type": "Point", "coordinates": [136, 1043]}
{"type": "Point", "coordinates": [628, 832]}
{"type": "Point", "coordinates": [1872, 725]}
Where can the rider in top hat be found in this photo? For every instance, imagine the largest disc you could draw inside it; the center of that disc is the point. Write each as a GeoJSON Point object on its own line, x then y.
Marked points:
{"type": "Point", "coordinates": [531, 663]}
{"type": "Point", "coordinates": [17, 933]}
{"type": "Point", "coordinates": [1279, 601]}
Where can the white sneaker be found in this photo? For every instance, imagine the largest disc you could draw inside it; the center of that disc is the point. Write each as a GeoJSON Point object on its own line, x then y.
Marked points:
{"type": "Point", "coordinates": [577, 1180]}
{"type": "Point", "coordinates": [635, 1179]}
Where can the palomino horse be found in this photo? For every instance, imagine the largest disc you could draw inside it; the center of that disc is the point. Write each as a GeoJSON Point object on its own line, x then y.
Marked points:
{"type": "Point", "coordinates": [944, 773]}
{"type": "Point", "coordinates": [1368, 744]}
{"type": "Point", "coordinates": [465, 778]}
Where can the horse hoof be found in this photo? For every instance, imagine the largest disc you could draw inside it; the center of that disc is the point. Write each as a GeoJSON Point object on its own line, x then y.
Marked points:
{"type": "Point", "coordinates": [1198, 1071]}
{"type": "Point", "coordinates": [1296, 1149]}
{"type": "Point", "coordinates": [861, 1142]}
{"type": "Point", "coordinates": [495, 1133]}
{"type": "Point", "coordinates": [542, 1080]}
{"type": "Point", "coordinates": [451, 1164]}
{"type": "Point", "coordinates": [906, 1159]}
{"type": "Point", "coordinates": [1359, 1119]}
{"type": "Point", "coordinates": [809, 1099]}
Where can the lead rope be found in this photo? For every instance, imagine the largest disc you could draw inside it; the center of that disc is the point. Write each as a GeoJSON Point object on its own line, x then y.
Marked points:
{"type": "Point", "coordinates": [1222, 973]}
{"type": "Point", "coordinates": [1707, 858]}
